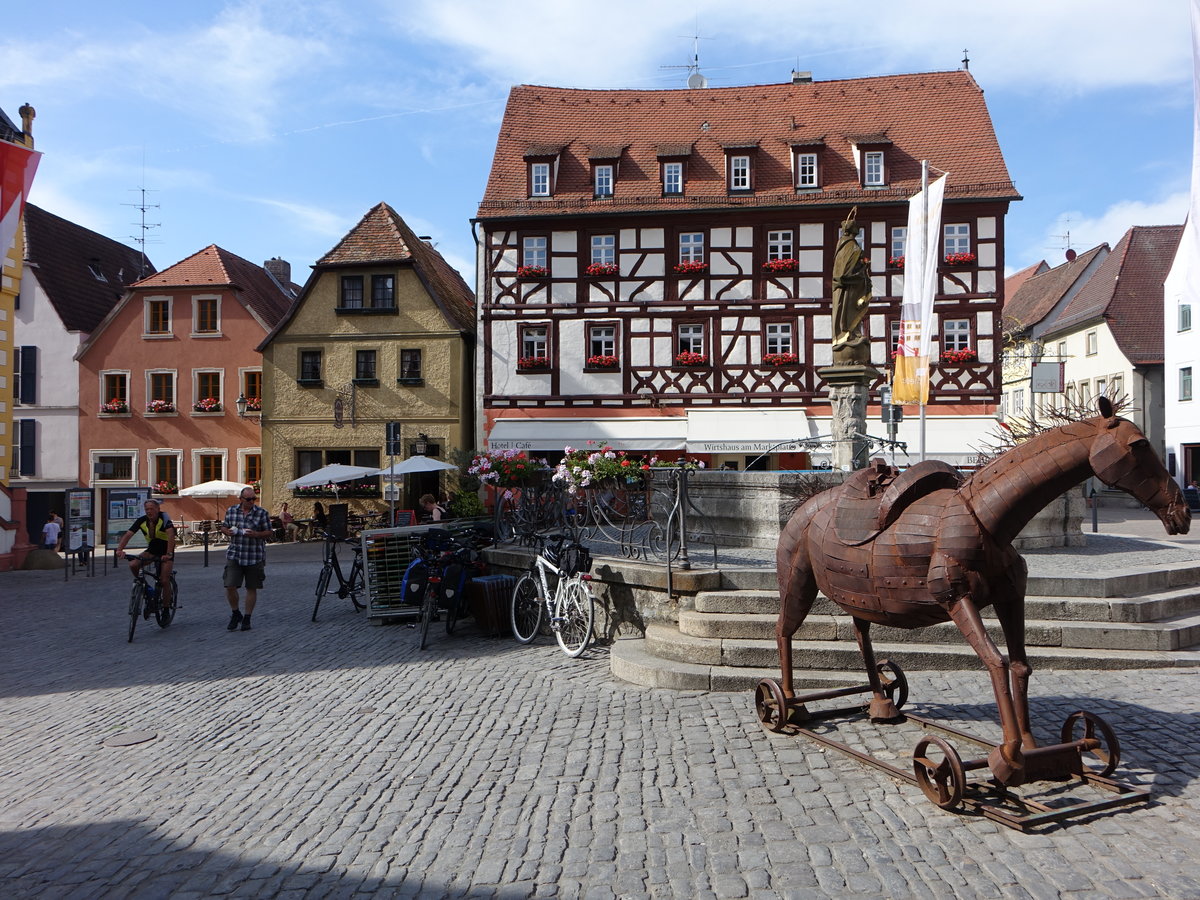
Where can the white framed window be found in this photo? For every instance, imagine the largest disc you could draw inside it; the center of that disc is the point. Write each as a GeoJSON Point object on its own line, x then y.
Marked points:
{"type": "Point", "coordinates": [249, 460]}
{"type": "Point", "coordinates": [1085, 393]}
{"type": "Point", "coordinates": [1101, 387]}
{"type": "Point", "coordinates": [539, 179]}
{"type": "Point", "coordinates": [1185, 317]}
{"type": "Point", "coordinates": [533, 251]}
{"type": "Point", "coordinates": [604, 249]}
{"type": "Point", "coordinates": [956, 238]}
{"type": "Point", "coordinates": [160, 388]}
{"type": "Point", "coordinates": [806, 170]}
{"type": "Point", "coordinates": [1018, 402]}
{"type": "Point", "coordinates": [208, 390]}
{"type": "Point", "coordinates": [898, 242]}
{"type": "Point", "coordinates": [156, 321]}
{"type": "Point", "coordinates": [164, 466]}
{"type": "Point", "coordinates": [739, 173]}
{"type": "Point", "coordinates": [690, 339]}
{"type": "Point", "coordinates": [780, 245]}
{"type": "Point", "coordinates": [1117, 386]}
{"type": "Point", "coordinates": [602, 340]}
{"type": "Point", "coordinates": [206, 315]}
{"type": "Point", "coordinates": [250, 381]}
{"type": "Point", "coordinates": [1004, 404]}
{"type": "Point", "coordinates": [603, 181]}
{"type": "Point", "coordinates": [691, 246]}
{"type": "Point", "coordinates": [672, 178]}
{"type": "Point", "coordinates": [114, 468]}
{"type": "Point", "coordinates": [956, 334]}
{"type": "Point", "coordinates": [779, 337]}
{"type": "Point", "coordinates": [1185, 383]}
{"type": "Point", "coordinates": [114, 390]}
{"type": "Point", "coordinates": [1062, 350]}
{"type": "Point", "coordinates": [534, 341]}
{"type": "Point", "coordinates": [209, 464]}
{"type": "Point", "coordinates": [1091, 343]}
{"type": "Point", "coordinates": [873, 168]}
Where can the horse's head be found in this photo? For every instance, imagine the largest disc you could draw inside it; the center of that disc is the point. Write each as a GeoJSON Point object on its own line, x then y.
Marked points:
{"type": "Point", "coordinates": [1122, 458]}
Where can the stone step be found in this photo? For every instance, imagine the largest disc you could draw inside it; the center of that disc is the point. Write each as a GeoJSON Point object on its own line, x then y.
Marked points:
{"type": "Point", "coordinates": [669, 643]}
{"type": "Point", "coordinates": [1128, 583]}
{"type": "Point", "coordinates": [1176, 633]}
{"type": "Point", "coordinates": [1147, 608]}
{"type": "Point", "coordinates": [632, 661]}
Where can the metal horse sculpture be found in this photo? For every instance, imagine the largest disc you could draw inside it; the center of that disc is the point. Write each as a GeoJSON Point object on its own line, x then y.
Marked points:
{"type": "Point", "coordinates": [914, 548]}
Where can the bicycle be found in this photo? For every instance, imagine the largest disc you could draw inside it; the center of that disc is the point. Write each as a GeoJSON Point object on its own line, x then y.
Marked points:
{"type": "Point", "coordinates": [570, 609]}
{"type": "Point", "coordinates": [350, 586]}
{"type": "Point", "coordinates": [437, 576]}
{"type": "Point", "coordinates": [143, 593]}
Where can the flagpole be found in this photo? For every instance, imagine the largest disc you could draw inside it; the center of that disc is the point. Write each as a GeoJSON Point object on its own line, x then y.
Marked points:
{"type": "Point", "coordinates": [925, 238]}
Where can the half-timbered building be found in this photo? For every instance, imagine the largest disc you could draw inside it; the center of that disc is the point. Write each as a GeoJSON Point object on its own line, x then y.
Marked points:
{"type": "Point", "coordinates": [654, 266]}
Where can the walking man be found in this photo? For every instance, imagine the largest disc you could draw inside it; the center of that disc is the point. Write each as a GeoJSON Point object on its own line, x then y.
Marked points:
{"type": "Point", "coordinates": [248, 526]}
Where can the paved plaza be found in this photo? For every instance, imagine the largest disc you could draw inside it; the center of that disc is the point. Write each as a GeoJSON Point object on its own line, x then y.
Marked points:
{"type": "Point", "coordinates": [336, 759]}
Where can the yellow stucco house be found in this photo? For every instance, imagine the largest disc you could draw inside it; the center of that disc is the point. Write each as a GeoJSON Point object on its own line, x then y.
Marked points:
{"type": "Point", "coordinates": [383, 331]}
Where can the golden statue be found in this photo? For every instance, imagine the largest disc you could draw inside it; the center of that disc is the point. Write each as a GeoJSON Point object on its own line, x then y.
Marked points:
{"type": "Point", "coordinates": [851, 295]}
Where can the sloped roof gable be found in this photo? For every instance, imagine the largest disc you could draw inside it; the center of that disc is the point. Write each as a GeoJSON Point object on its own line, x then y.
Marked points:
{"type": "Point", "coordinates": [938, 116]}
{"type": "Point", "coordinates": [1038, 294]}
{"type": "Point", "coordinates": [84, 274]}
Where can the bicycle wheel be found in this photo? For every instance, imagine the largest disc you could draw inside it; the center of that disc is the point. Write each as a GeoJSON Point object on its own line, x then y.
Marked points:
{"type": "Point", "coordinates": [135, 608]}
{"type": "Point", "coordinates": [428, 605]}
{"type": "Point", "coordinates": [525, 614]}
{"type": "Point", "coordinates": [165, 613]}
{"type": "Point", "coordinates": [574, 612]}
{"type": "Point", "coordinates": [358, 583]}
{"type": "Point", "coordinates": [322, 587]}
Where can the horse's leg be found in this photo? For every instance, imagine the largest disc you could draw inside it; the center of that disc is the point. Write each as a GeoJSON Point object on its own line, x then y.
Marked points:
{"type": "Point", "coordinates": [797, 590]}
{"type": "Point", "coordinates": [1009, 603]}
{"type": "Point", "coordinates": [882, 707]}
{"type": "Point", "coordinates": [1005, 761]}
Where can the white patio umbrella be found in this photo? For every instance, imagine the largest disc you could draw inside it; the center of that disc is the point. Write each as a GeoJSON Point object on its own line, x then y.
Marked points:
{"type": "Point", "coordinates": [213, 489]}
{"type": "Point", "coordinates": [414, 464]}
{"type": "Point", "coordinates": [331, 474]}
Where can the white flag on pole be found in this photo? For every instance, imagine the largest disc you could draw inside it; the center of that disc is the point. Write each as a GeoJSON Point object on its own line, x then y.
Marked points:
{"type": "Point", "coordinates": [1182, 285]}
{"type": "Point", "coordinates": [922, 245]}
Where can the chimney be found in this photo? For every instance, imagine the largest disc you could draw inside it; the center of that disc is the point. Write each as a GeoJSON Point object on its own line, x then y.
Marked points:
{"type": "Point", "coordinates": [281, 269]}
{"type": "Point", "coordinates": [801, 77]}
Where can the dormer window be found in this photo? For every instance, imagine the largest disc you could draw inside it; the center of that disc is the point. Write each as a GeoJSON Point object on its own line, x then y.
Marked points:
{"type": "Point", "coordinates": [738, 171]}
{"type": "Point", "coordinates": [603, 181]}
{"type": "Point", "coordinates": [672, 162]}
{"type": "Point", "coordinates": [871, 155]}
{"type": "Point", "coordinates": [806, 164]}
{"type": "Point", "coordinates": [873, 169]}
{"type": "Point", "coordinates": [539, 180]}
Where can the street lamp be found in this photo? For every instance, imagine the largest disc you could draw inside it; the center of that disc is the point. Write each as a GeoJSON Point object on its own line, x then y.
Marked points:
{"type": "Point", "coordinates": [240, 403]}
{"type": "Point", "coordinates": [421, 444]}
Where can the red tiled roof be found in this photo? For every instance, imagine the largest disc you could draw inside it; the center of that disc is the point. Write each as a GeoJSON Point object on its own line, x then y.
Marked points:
{"type": "Point", "coordinates": [1035, 297]}
{"type": "Point", "coordinates": [62, 255]}
{"type": "Point", "coordinates": [217, 267]}
{"type": "Point", "coordinates": [381, 236]}
{"type": "Point", "coordinates": [938, 116]}
{"type": "Point", "coordinates": [1013, 283]}
{"type": "Point", "coordinates": [1127, 291]}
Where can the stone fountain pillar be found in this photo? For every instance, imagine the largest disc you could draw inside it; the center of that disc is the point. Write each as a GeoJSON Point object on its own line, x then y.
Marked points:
{"type": "Point", "coordinates": [849, 379]}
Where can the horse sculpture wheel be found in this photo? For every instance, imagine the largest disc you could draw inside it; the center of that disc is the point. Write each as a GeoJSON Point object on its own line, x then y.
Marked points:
{"type": "Point", "coordinates": [920, 547]}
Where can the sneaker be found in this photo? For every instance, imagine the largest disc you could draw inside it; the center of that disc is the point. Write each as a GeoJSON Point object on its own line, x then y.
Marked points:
{"type": "Point", "coordinates": [245, 623]}
{"type": "Point", "coordinates": [235, 620]}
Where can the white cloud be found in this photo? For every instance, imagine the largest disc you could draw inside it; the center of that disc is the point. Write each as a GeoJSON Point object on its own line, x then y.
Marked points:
{"type": "Point", "coordinates": [303, 217]}
{"type": "Point", "coordinates": [1108, 227]}
{"type": "Point", "coordinates": [1065, 46]}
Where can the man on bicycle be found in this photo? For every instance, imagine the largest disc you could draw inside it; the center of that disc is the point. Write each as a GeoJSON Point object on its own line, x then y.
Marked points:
{"type": "Point", "coordinates": [159, 531]}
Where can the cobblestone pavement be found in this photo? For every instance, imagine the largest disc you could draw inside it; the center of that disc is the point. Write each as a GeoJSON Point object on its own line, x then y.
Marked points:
{"type": "Point", "coordinates": [336, 759]}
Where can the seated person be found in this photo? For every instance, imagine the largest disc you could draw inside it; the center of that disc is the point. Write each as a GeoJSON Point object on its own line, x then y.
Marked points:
{"type": "Point", "coordinates": [288, 523]}
{"type": "Point", "coordinates": [159, 531]}
{"type": "Point", "coordinates": [432, 512]}
{"type": "Point", "coordinates": [320, 521]}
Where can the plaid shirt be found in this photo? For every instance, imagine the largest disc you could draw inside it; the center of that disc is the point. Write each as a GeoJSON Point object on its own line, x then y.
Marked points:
{"type": "Point", "coordinates": [243, 550]}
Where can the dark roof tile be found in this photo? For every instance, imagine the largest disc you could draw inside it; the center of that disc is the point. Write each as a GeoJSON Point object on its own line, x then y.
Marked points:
{"type": "Point", "coordinates": [1033, 297]}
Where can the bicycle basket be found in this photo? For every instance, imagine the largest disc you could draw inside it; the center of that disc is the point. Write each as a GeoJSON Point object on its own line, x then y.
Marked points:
{"type": "Point", "coordinates": [575, 559]}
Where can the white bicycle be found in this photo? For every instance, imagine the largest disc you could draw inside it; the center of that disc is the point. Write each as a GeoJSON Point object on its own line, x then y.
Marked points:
{"type": "Point", "coordinates": [569, 608]}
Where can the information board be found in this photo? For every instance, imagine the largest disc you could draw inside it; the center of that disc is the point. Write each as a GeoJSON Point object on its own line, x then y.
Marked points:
{"type": "Point", "coordinates": [121, 507]}
{"type": "Point", "coordinates": [80, 525]}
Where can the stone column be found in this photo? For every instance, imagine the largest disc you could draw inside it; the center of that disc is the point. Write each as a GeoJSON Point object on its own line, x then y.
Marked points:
{"type": "Point", "coordinates": [849, 386]}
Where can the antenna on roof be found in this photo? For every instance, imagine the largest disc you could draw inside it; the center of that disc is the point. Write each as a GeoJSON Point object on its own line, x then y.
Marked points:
{"type": "Point", "coordinates": [696, 79]}
{"type": "Point", "coordinates": [1066, 239]}
{"type": "Point", "coordinates": [142, 238]}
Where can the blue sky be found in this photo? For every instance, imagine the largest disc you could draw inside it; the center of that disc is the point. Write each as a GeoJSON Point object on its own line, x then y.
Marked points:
{"type": "Point", "coordinates": [269, 128]}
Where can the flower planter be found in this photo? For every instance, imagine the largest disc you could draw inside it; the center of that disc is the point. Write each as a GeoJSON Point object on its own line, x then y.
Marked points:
{"type": "Point", "coordinates": [531, 273]}
{"type": "Point", "coordinates": [160, 408]}
{"type": "Point", "coordinates": [781, 266]}
{"type": "Point", "coordinates": [780, 360]}
{"type": "Point", "coordinates": [691, 360]}
{"type": "Point", "coordinates": [533, 364]}
{"type": "Point", "coordinates": [602, 270]}
{"type": "Point", "coordinates": [691, 268]}
{"type": "Point", "coordinates": [959, 259]}
{"type": "Point", "coordinates": [958, 358]}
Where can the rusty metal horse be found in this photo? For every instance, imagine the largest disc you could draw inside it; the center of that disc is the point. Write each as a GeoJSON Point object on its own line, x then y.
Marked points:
{"type": "Point", "coordinates": [914, 548]}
